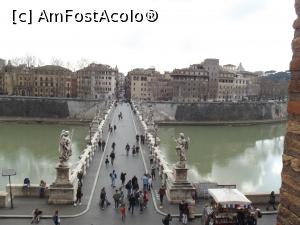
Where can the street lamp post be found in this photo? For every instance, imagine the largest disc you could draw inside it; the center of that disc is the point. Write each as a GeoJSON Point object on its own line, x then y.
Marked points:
{"type": "Point", "coordinates": [8, 173]}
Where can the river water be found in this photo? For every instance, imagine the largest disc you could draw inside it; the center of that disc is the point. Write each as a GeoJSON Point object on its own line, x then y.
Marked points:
{"type": "Point", "coordinates": [32, 150]}
{"type": "Point", "coordinates": [248, 156]}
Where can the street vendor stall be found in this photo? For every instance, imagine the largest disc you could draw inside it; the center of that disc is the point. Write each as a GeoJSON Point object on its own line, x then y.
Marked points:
{"type": "Point", "coordinates": [228, 206]}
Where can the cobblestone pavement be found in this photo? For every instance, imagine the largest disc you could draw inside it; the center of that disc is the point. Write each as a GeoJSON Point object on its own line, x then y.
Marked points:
{"type": "Point", "coordinates": [132, 165]}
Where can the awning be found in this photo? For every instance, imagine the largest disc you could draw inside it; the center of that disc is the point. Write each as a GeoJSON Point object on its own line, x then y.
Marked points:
{"type": "Point", "coordinates": [228, 196]}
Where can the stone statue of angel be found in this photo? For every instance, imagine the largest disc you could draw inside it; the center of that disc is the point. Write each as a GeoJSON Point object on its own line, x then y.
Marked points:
{"type": "Point", "coordinates": [65, 150]}
{"type": "Point", "coordinates": [182, 145]}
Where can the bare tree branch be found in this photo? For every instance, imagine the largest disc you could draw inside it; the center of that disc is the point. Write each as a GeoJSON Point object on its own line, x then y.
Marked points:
{"type": "Point", "coordinates": [83, 63]}
{"type": "Point", "coordinates": [57, 62]}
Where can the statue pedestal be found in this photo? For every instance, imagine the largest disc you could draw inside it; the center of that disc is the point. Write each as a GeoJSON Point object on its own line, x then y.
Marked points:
{"type": "Point", "coordinates": [61, 192]}
{"type": "Point", "coordinates": [179, 188]}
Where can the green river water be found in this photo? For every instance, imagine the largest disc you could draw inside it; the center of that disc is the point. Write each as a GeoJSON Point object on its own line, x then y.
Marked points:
{"type": "Point", "coordinates": [249, 156]}
{"type": "Point", "coordinates": [32, 150]}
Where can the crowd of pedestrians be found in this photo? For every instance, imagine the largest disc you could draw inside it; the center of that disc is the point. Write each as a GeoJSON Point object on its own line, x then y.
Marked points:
{"type": "Point", "coordinates": [127, 194]}
{"type": "Point", "coordinates": [132, 194]}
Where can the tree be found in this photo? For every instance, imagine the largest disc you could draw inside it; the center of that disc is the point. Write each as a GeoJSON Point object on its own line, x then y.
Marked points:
{"type": "Point", "coordinates": [83, 62]}
{"type": "Point", "coordinates": [30, 60]}
{"type": "Point", "coordinates": [16, 61]}
{"type": "Point", "coordinates": [69, 65]}
{"type": "Point", "coordinates": [40, 62]}
{"type": "Point", "coordinates": [57, 61]}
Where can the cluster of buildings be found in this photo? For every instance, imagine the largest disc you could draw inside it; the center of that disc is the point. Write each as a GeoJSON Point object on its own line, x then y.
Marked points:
{"type": "Point", "coordinates": [96, 81]}
{"type": "Point", "coordinates": [206, 81]}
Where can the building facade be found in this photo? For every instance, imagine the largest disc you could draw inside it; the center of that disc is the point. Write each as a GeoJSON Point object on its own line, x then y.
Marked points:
{"type": "Point", "coordinates": [140, 83]}
{"type": "Point", "coordinates": [190, 84]}
{"type": "Point", "coordinates": [212, 66]}
{"type": "Point", "coordinates": [236, 84]}
{"type": "Point", "coordinates": [120, 85]}
{"type": "Point", "coordinates": [44, 81]}
{"type": "Point", "coordinates": [2, 63]}
{"type": "Point", "coordinates": [1, 81]}
{"type": "Point", "coordinates": [96, 81]}
{"type": "Point", "coordinates": [161, 86]}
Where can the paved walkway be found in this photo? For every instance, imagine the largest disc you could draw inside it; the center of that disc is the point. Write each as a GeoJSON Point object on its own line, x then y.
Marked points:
{"type": "Point", "coordinates": [97, 177]}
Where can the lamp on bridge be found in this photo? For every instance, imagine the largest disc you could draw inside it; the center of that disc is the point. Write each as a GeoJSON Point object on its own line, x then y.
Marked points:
{"type": "Point", "coordinates": [8, 173]}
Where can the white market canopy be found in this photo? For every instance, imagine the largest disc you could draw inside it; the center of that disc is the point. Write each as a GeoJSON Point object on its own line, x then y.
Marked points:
{"type": "Point", "coordinates": [228, 196]}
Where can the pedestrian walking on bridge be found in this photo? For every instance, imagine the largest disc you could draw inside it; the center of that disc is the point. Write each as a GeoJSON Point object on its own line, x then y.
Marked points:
{"type": "Point", "coordinates": [271, 201]}
{"type": "Point", "coordinates": [141, 202]}
{"type": "Point", "coordinates": [133, 150]}
{"type": "Point", "coordinates": [185, 212]}
{"type": "Point", "coordinates": [128, 187]}
{"type": "Point", "coordinates": [102, 197]}
{"type": "Point", "coordinates": [113, 177]}
{"type": "Point", "coordinates": [123, 211]}
{"type": "Point", "coordinates": [131, 203]}
{"type": "Point", "coordinates": [78, 196]}
{"type": "Point", "coordinates": [123, 178]}
{"type": "Point", "coordinates": [153, 168]}
{"type": "Point", "coordinates": [116, 198]}
{"type": "Point", "coordinates": [112, 157]}
{"type": "Point", "coordinates": [167, 219]}
{"type": "Point", "coordinates": [161, 192]}
{"type": "Point", "coordinates": [99, 144]}
{"type": "Point", "coordinates": [113, 145]}
{"type": "Point", "coordinates": [127, 148]}
{"type": "Point", "coordinates": [145, 180]}
{"type": "Point", "coordinates": [135, 185]}
{"type": "Point", "coordinates": [103, 145]}
{"type": "Point", "coordinates": [106, 161]}
{"type": "Point", "coordinates": [55, 218]}
{"type": "Point", "coordinates": [180, 207]}
{"type": "Point", "coordinates": [137, 150]}
{"type": "Point", "coordinates": [142, 139]}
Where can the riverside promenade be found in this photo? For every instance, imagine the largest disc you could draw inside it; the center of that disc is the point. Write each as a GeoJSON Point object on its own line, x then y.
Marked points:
{"type": "Point", "coordinates": [97, 177]}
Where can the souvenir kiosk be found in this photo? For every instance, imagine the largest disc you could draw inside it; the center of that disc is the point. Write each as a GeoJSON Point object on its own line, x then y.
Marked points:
{"type": "Point", "coordinates": [227, 207]}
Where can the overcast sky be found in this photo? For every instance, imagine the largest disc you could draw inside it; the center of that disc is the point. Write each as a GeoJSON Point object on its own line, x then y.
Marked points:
{"type": "Point", "coordinates": [257, 33]}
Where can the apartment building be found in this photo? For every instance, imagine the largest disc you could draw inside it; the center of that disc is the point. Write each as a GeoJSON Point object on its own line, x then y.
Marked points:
{"type": "Point", "coordinates": [190, 84]}
{"type": "Point", "coordinates": [96, 81]}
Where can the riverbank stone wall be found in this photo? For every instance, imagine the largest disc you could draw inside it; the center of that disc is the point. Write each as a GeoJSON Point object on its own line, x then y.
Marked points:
{"type": "Point", "coordinates": [223, 111]}
{"type": "Point", "coordinates": [49, 108]}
